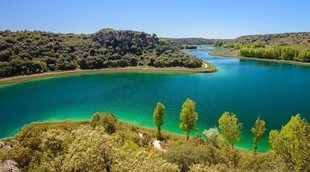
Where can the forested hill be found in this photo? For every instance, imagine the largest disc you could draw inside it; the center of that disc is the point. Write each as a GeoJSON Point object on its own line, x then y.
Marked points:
{"type": "Point", "coordinates": [301, 39]}
{"type": "Point", "coordinates": [193, 41]}
{"type": "Point", "coordinates": [282, 46]}
{"type": "Point", "coordinates": [29, 52]}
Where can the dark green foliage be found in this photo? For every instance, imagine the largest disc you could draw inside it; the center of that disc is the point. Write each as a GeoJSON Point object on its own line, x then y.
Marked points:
{"type": "Point", "coordinates": [189, 47]}
{"type": "Point", "coordinates": [26, 52]}
{"type": "Point", "coordinates": [107, 120]}
{"type": "Point", "coordinates": [193, 41]}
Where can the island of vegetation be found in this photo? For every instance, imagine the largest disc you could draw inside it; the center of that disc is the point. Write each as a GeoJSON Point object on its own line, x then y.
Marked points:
{"type": "Point", "coordinates": [106, 144]}
{"type": "Point", "coordinates": [33, 52]}
{"type": "Point", "coordinates": [285, 47]}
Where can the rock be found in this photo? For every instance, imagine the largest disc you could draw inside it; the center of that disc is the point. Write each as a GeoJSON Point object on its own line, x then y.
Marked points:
{"type": "Point", "coordinates": [6, 148]}
{"type": "Point", "coordinates": [157, 145]}
{"type": "Point", "coordinates": [3, 147]}
{"type": "Point", "coordinates": [9, 166]}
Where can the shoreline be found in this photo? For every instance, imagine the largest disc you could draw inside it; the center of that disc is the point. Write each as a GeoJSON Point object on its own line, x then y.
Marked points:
{"type": "Point", "coordinates": [123, 122]}
{"type": "Point", "coordinates": [207, 68]}
{"type": "Point", "coordinates": [233, 54]}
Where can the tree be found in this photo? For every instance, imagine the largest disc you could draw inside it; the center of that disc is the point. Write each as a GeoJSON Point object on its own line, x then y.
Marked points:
{"type": "Point", "coordinates": [229, 127]}
{"type": "Point", "coordinates": [292, 143]}
{"type": "Point", "coordinates": [188, 116]}
{"type": "Point", "coordinates": [258, 130]}
{"type": "Point", "coordinates": [158, 116]}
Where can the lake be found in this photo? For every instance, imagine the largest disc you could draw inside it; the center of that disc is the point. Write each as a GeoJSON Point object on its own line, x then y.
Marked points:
{"type": "Point", "coordinates": [250, 89]}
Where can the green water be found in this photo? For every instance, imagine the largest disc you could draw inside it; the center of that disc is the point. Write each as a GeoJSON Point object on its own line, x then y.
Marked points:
{"type": "Point", "coordinates": [250, 89]}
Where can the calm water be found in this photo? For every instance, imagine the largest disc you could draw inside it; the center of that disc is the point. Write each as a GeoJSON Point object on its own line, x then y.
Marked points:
{"type": "Point", "coordinates": [248, 88]}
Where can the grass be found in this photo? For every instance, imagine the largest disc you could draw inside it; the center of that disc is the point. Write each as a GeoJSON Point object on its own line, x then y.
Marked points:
{"type": "Point", "coordinates": [207, 68]}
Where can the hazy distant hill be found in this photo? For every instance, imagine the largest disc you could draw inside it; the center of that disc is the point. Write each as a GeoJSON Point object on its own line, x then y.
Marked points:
{"type": "Point", "coordinates": [193, 41]}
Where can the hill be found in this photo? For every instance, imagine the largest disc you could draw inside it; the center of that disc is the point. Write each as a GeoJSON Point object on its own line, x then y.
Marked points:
{"type": "Point", "coordinates": [29, 52]}
{"type": "Point", "coordinates": [282, 46]}
{"type": "Point", "coordinates": [296, 39]}
{"type": "Point", "coordinates": [183, 42]}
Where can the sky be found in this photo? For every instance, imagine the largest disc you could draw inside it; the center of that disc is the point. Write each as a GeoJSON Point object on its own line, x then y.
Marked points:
{"type": "Point", "coordinates": [166, 18]}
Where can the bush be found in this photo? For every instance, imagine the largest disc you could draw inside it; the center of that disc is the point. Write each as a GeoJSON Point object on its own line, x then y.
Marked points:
{"type": "Point", "coordinates": [185, 155]}
{"type": "Point", "coordinates": [107, 120]}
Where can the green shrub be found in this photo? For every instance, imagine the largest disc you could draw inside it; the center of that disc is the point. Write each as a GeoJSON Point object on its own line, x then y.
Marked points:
{"type": "Point", "coordinates": [107, 120]}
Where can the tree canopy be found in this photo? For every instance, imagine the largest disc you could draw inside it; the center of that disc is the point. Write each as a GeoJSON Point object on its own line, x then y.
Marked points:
{"type": "Point", "coordinates": [229, 127]}
{"type": "Point", "coordinates": [188, 116]}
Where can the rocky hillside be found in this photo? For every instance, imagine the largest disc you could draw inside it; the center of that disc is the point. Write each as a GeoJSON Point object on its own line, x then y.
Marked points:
{"type": "Point", "coordinates": [29, 52]}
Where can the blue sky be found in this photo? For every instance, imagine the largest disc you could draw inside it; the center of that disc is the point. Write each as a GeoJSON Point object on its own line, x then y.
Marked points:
{"type": "Point", "coordinates": [166, 18]}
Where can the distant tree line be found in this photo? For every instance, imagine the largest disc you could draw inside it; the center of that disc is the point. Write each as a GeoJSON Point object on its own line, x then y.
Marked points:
{"type": "Point", "coordinates": [262, 50]}
{"type": "Point", "coordinates": [277, 52]}
{"type": "Point", "coordinates": [29, 52]}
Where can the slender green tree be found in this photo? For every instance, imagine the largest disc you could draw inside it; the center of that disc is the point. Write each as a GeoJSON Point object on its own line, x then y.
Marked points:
{"type": "Point", "coordinates": [188, 116]}
{"type": "Point", "coordinates": [158, 117]}
{"type": "Point", "coordinates": [258, 130]}
{"type": "Point", "coordinates": [229, 127]}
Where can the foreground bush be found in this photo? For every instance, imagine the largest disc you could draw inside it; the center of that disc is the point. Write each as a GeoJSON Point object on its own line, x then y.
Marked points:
{"type": "Point", "coordinates": [79, 146]}
{"type": "Point", "coordinates": [107, 120]}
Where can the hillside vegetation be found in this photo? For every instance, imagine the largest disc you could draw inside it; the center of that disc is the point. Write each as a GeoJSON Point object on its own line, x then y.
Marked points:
{"type": "Point", "coordinates": [105, 144]}
{"type": "Point", "coordinates": [285, 46]}
{"type": "Point", "coordinates": [296, 40]}
{"type": "Point", "coordinates": [29, 52]}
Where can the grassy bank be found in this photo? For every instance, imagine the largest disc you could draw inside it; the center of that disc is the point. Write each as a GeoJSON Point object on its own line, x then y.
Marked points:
{"type": "Point", "coordinates": [235, 54]}
{"type": "Point", "coordinates": [118, 146]}
{"type": "Point", "coordinates": [207, 68]}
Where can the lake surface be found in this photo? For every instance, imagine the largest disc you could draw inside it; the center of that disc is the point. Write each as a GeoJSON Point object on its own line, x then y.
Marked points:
{"type": "Point", "coordinates": [248, 88]}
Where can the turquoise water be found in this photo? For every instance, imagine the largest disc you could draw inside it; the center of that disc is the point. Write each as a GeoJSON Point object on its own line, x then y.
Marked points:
{"type": "Point", "coordinates": [250, 89]}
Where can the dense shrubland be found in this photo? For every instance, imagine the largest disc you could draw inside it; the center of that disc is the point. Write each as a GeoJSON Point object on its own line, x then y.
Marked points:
{"type": "Point", "coordinates": [29, 52]}
{"type": "Point", "coordinates": [105, 144]}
